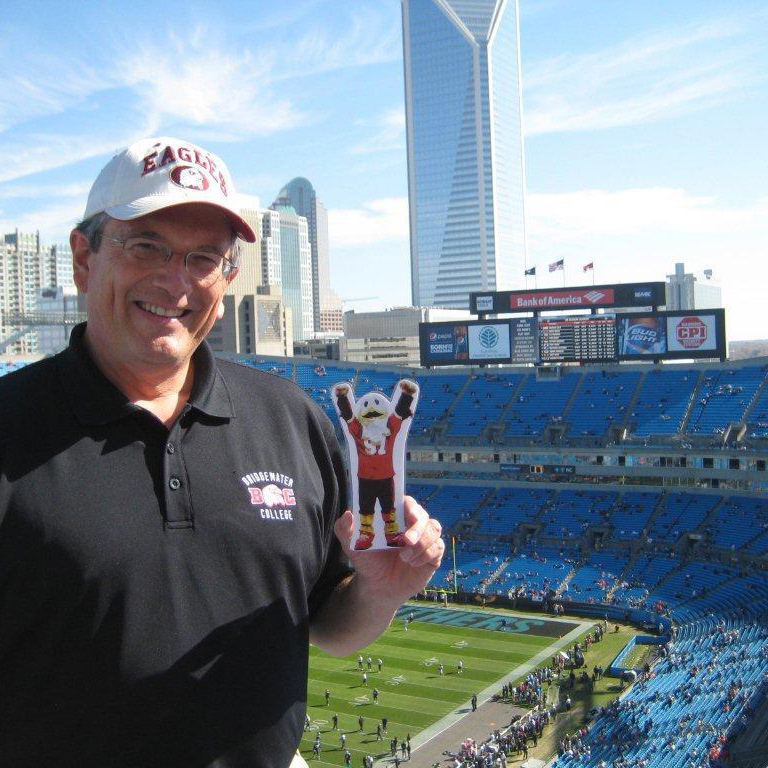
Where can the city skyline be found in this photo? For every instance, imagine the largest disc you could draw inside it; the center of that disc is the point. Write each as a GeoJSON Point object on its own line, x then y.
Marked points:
{"type": "Point", "coordinates": [643, 127]}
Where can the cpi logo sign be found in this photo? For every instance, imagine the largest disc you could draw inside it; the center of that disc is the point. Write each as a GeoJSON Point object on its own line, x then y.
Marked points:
{"type": "Point", "coordinates": [691, 332]}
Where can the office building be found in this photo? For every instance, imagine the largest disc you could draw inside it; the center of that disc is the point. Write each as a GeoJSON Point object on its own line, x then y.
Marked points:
{"type": "Point", "coordinates": [326, 305]}
{"type": "Point", "coordinates": [295, 268]}
{"type": "Point", "coordinates": [686, 290]}
{"type": "Point", "coordinates": [253, 324]}
{"type": "Point", "coordinates": [255, 320]}
{"type": "Point", "coordinates": [465, 148]}
{"type": "Point", "coordinates": [26, 268]}
{"type": "Point", "coordinates": [60, 303]}
{"type": "Point", "coordinates": [389, 336]}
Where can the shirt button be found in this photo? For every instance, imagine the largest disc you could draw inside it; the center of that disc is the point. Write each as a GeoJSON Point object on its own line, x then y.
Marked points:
{"type": "Point", "coordinates": [170, 448]}
{"type": "Point", "coordinates": [175, 483]}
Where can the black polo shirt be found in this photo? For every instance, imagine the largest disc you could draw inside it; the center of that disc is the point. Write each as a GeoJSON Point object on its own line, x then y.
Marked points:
{"type": "Point", "coordinates": [156, 585]}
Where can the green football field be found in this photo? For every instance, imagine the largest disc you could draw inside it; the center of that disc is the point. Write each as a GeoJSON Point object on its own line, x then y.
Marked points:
{"type": "Point", "coordinates": [413, 694]}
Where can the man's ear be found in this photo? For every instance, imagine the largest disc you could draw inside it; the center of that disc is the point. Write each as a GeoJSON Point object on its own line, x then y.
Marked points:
{"type": "Point", "coordinates": [81, 251]}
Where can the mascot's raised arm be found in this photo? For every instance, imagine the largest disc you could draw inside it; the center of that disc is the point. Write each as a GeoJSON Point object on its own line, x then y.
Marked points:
{"type": "Point", "coordinates": [372, 426]}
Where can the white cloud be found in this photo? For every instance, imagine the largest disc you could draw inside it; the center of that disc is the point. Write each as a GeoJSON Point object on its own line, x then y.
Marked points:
{"type": "Point", "coordinates": [378, 220]}
{"type": "Point", "coordinates": [36, 191]}
{"type": "Point", "coordinates": [197, 81]}
{"type": "Point", "coordinates": [639, 234]}
{"type": "Point", "coordinates": [44, 84]}
{"type": "Point", "coordinates": [53, 221]}
{"type": "Point", "coordinates": [43, 152]}
{"type": "Point", "coordinates": [644, 79]}
{"type": "Point", "coordinates": [593, 213]}
{"type": "Point", "coordinates": [389, 133]}
{"type": "Point", "coordinates": [372, 36]}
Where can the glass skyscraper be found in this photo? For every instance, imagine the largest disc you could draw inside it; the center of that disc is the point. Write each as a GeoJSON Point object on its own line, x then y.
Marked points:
{"type": "Point", "coordinates": [466, 175]}
{"type": "Point", "coordinates": [300, 195]}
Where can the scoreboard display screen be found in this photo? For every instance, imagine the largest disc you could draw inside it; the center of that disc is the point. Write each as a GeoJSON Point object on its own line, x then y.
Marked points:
{"type": "Point", "coordinates": [578, 338]}
{"type": "Point", "coordinates": [524, 340]}
{"type": "Point", "coordinates": [464, 342]}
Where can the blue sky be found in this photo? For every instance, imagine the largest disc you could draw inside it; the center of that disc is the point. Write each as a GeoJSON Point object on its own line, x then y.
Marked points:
{"type": "Point", "coordinates": [645, 126]}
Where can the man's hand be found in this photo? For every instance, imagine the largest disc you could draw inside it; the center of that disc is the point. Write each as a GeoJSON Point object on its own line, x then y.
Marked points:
{"type": "Point", "coordinates": [362, 606]}
{"type": "Point", "coordinates": [394, 575]}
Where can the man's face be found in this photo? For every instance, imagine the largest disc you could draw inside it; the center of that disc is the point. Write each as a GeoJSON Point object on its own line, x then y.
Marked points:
{"type": "Point", "coordinates": [125, 299]}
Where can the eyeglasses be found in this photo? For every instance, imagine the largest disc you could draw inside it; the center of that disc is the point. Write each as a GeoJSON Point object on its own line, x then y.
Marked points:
{"type": "Point", "coordinates": [205, 267]}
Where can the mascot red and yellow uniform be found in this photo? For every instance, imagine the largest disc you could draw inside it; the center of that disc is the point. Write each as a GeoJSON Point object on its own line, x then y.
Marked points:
{"type": "Point", "coordinates": [373, 425]}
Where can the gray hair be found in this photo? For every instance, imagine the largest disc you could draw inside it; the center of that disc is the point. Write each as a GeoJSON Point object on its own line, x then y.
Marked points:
{"type": "Point", "coordinates": [93, 229]}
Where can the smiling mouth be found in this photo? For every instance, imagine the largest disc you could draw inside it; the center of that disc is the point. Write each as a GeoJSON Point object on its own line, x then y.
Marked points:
{"type": "Point", "coordinates": [161, 311]}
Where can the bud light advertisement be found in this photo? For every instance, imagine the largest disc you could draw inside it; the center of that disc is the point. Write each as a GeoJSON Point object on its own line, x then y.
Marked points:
{"type": "Point", "coordinates": [642, 336]}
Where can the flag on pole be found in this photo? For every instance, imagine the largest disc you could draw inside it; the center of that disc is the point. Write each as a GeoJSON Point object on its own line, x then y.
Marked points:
{"type": "Point", "coordinates": [589, 266]}
{"type": "Point", "coordinates": [531, 271]}
{"type": "Point", "coordinates": [555, 265]}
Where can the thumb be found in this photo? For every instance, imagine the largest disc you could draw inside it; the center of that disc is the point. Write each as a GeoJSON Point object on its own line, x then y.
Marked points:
{"type": "Point", "coordinates": [343, 528]}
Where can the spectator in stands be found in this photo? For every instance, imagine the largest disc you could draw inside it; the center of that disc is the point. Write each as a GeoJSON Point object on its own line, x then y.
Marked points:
{"type": "Point", "coordinates": [173, 527]}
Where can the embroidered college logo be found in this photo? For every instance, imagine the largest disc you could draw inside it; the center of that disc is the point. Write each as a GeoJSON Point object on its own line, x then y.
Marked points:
{"type": "Point", "coordinates": [272, 493]}
{"type": "Point", "coordinates": [188, 177]}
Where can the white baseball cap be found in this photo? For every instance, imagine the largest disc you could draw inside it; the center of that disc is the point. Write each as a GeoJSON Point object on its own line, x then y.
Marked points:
{"type": "Point", "coordinates": [158, 173]}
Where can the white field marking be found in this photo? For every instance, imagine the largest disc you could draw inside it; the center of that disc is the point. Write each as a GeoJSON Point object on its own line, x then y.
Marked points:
{"type": "Point", "coordinates": [460, 644]}
{"type": "Point", "coordinates": [430, 661]}
{"type": "Point", "coordinates": [362, 699]}
{"type": "Point", "coordinates": [451, 719]}
{"type": "Point", "coordinates": [396, 680]}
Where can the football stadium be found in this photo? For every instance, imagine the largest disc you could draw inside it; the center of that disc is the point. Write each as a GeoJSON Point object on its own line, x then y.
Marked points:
{"type": "Point", "coordinates": [611, 515]}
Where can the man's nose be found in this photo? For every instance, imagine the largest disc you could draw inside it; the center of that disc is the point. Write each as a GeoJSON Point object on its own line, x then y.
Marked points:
{"type": "Point", "coordinates": [174, 277]}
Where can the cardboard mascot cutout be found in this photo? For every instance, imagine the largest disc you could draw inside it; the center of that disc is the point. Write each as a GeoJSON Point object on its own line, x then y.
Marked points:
{"type": "Point", "coordinates": [376, 430]}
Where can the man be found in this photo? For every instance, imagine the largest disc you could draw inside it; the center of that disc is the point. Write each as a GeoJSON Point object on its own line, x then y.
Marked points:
{"type": "Point", "coordinates": [335, 721]}
{"type": "Point", "coordinates": [173, 529]}
{"type": "Point", "coordinates": [380, 664]}
{"type": "Point", "coordinates": [327, 697]}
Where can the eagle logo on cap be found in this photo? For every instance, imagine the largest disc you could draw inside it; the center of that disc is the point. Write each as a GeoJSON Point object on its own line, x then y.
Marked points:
{"type": "Point", "coordinates": [188, 177]}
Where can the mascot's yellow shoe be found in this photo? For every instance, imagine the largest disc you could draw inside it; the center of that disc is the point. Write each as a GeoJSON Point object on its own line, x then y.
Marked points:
{"type": "Point", "coordinates": [364, 541]}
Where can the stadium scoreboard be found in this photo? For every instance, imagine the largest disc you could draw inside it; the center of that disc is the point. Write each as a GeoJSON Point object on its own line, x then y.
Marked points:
{"type": "Point", "coordinates": [579, 338]}
{"type": "Point", "coordinates": [599, 338]}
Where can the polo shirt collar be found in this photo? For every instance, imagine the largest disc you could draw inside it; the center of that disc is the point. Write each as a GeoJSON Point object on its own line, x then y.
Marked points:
{"type": "Point", "coordinates": [96, 400]}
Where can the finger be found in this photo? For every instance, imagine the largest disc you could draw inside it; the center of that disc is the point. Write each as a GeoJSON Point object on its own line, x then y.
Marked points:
{"type": "Point", "coordinates": [343, 528]}
{"type": "Point", "coordinates": [415, 517]}
{"type": "Point", "coordinates": [429, 535]}
{"type": "Point", "coordinates": [432, 556]}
